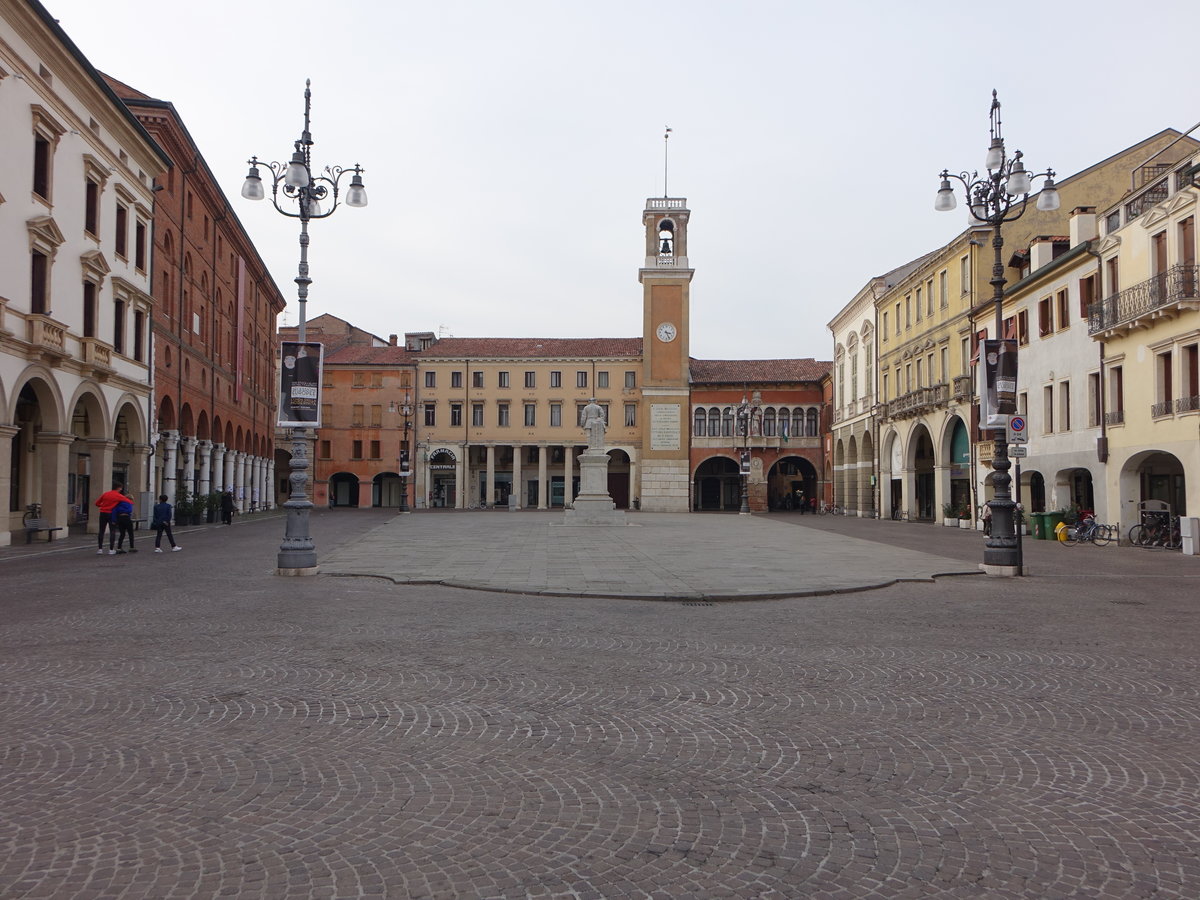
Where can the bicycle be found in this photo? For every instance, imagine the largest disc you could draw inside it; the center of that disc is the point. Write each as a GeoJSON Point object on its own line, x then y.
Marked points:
{"type": "Point", "coordinates": [831, 508]}
{"type": "Point", "coordinates": [1157, 530]}
{"type": "Point", "coordinates": [32, 511]}
{"type": "Point", "coordinates": [1084, 531]}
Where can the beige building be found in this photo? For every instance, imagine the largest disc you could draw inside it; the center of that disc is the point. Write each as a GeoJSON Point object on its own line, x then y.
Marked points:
{"type": "Point", "coordinates": [498, 419]}
{"type": "Point", "coordinates": [929, 324]}
{"type": "Point", "coordinates": [1149, 327]}
{"type": "Point", "coordinates": [76, 202]}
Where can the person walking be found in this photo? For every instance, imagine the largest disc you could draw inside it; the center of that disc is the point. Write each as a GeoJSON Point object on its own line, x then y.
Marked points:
{"type": "Point", "coordinates": [106, 503]}
{"type": "Point", "coordinates": [122, 515]}
{"type": "Point", "coordinates": [227, 507]}
{"type": "Point", "coordinates": [163, 512]}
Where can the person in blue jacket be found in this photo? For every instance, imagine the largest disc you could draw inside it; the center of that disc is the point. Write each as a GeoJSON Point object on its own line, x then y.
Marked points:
{"type": "Point", "coordinates": [163, 512]}
{"type": "Point", "coordinates": [122, 517]}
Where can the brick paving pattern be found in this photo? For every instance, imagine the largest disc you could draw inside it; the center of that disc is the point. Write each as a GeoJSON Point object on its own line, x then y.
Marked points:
{"type": "Point", "coordinates": [190, 725]}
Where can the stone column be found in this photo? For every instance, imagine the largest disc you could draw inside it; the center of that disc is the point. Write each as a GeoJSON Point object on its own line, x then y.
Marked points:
{"type": "Point", "coordinates": [256, 470]}
{"type": "Point", "coordinates": [568, 475]}
{"type": "Point", "coordinates": [7, 433]}
{"type": "Point", "coordinates": [230, 468]}
{"type": "Point", "coordinates": [170, 447]}
{"type": "Point", "coordinates": [100, 469]}
{"type": "Point", "coordinates": [635, 489]}
{"type": "Point", "coordinates": [188, 447]}
{"type": "Point", "coordinates": [239, 479]}
{"type": "Point", "coordinates": [460, 477]}
{"type": "Point", "coordinates": [218, 467]}
{"type": "Point", "coordinates": [205, 448]}
{"type": "Point", "coordinates": [269, 484]}
{"type": "Point", "coordinates": [517, 486]}
{"type": "Point", "coordinates": [54, 455]}
{"type": "Point", "coordinates": [490, 486]}
{"type": "Point", "coordinates": [543, 478]}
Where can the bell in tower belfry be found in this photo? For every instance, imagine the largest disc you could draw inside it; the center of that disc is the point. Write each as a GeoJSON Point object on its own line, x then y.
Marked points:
{"type": "Point", "coordinates": [666, 232]}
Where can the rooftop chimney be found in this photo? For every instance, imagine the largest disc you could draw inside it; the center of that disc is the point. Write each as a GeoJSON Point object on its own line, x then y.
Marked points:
{"type": "Point", "coordinates": [1083, 224]}
{"type": "Point", "coordinates": [392, 338]}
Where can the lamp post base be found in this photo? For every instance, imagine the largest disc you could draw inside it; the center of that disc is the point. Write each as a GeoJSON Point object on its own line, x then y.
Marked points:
{"type": "Point", "coordinates": [307, 570]}
{"type": "Point", "coordinates": [1001, 571]}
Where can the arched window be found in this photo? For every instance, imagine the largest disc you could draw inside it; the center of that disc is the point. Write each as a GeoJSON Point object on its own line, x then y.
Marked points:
{"type": "Point", "coordinates": [727, 422]}
{"type": "Point", "coordinates": [784, 428]}
{"type": "Point", "coordinates": [811, 430]}
{"type": "Point", "coordinates": [714, 422]}
{"type": "Point", "coordinates": [699, 429]}
{"type": "Point", "coordinates": [797, 422]}
{"type": "Point", "coordinates": [769, 422]}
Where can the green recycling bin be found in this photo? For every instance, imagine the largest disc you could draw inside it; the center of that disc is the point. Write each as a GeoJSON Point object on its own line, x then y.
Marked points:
{"type": "Point", "coordinates": [1037, 526]}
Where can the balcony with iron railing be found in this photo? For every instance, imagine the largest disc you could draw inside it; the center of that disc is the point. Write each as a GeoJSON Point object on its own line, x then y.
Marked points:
{"type": "Point", "coordinates": [1115, 417]}
{"type": "Point", "coordinates": [1163, 296]}
{"type": "Point", "coordinates": [916, 403]}
{"type": "Point", "coordinates": [1187, 404]}
{"type": "Point", "coordinates": [1160, 409]}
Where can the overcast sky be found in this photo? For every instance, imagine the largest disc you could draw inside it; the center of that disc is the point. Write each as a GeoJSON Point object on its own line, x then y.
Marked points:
{"type": "Point", "coordinates": [510, 147]}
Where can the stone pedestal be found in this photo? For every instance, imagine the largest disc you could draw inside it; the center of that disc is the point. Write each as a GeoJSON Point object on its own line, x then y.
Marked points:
{"type": "Point", "coordinates": [594, 506]}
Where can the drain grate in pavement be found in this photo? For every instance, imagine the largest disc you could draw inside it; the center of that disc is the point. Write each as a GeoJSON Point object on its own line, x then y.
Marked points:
{"type": "Point", "coordinates": [696, 602]}
{"type": "Point", "coordinates": [1128, 602]}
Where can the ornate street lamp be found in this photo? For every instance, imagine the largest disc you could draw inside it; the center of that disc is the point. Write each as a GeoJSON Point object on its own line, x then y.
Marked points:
{"type": "Point", "coordinates": [747, 414]}
{"type": "Point", "coordinates": [405, 455]}
{"type": "Point", "coordinates": [1000, 196]}
{"type": "Point", "coordinates": [303, 193]}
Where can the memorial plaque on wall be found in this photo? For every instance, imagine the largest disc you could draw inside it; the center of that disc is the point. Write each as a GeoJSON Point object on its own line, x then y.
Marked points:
{"type": "Point", "coordinates": [664, 426]}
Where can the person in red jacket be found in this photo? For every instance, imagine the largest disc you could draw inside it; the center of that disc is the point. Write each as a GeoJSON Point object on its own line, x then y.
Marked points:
{"type": "Point", "coordinates": [107, 502]}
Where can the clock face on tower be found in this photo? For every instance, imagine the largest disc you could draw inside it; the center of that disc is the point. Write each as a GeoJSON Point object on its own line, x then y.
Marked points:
{"type": "Point", "coordinates": [666, 332]}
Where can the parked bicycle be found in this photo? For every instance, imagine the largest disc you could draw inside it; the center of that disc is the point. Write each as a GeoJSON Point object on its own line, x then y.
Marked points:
{"type": "Point", "coordinates": [1157, 530]}
{"type": "Point", "coordinates": [831, 508]}
{"type": "Point", "coordinates": [1086, 530]}
{"type": "Point", "coordinates": [32, 511]}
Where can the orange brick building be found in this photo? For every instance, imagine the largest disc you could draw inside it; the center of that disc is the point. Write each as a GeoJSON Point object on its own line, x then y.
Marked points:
{"type": "Point", "coordinates": [363, 402]}
{"type": "Point", "coordinates": [786, 457]}
{"type": "Point", "coordinates": [213, 328]}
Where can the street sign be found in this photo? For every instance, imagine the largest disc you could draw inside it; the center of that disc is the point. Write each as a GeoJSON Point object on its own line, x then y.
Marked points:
{"type": "Point", "coordinates": [1016, 430]}
{"type": "Point", "coordinates": [1018, 451]}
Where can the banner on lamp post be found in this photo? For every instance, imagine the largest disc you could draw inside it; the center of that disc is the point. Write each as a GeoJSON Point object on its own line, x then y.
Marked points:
{"type": "Point", "coordinates": [998, 393]}
{"type": "Point", "coordinates": [300, 384]}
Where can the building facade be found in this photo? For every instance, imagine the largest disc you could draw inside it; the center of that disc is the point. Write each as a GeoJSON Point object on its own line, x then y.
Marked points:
{"type": "Point", "coordinates": [76, 223]}
{"type": "Point", "coordinates": [496, 422]}
{"type": "Point", "coordinates": [213, 328]}
{"type": "Point", "coordinates": [499, 419]}
{"type": "Point", "coordinates": [929, 326]}
{"type": "Point", "coordinates": [777, 447]}
{"type": "Point", "coordinates": [1148, 329]}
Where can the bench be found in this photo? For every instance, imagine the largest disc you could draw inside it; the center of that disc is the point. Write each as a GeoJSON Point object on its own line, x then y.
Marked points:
{"type": "Point", "coordinates": [33, 526]}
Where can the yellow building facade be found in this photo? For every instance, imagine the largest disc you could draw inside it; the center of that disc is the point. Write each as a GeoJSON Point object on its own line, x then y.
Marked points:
{"type": "Point", "coordinates": [1149, 326]}
{"type": "Point", "coordinates": [928, 324]}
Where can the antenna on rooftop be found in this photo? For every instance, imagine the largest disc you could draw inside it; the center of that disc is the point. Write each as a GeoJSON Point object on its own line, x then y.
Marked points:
{"type": "Point", "coordinates": [666, 138]}
{"type": "Point", "coordinates": [444, 332]}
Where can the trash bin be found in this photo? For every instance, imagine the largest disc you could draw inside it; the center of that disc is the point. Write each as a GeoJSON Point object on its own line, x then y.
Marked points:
{"type": "Point", "coordinates": [1053, 520]}
{"type": "Point", "coordinates": [1038, 524]}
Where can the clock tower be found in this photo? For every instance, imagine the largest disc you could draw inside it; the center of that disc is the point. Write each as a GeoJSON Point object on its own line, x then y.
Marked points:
{"type": "Point", "coordinates": [666, 417]}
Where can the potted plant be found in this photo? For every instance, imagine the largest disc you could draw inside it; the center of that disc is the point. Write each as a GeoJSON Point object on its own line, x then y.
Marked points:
{"type": "Point", "coordinates": [212, 503]}
{"type": "Point", "coordinates": [949, 515]}
{"type": "Point", "coordinates": [964, 516]}
{"type": "Point", "coordinates": [183, 505]}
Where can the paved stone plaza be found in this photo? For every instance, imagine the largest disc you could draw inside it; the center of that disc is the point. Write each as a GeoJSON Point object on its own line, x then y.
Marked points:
{"type": "Point", "coordinates": [190, 725]}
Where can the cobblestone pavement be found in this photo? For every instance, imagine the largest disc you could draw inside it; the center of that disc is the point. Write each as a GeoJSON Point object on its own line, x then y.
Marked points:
{"type": "Point", "coordinates": [190, 725]}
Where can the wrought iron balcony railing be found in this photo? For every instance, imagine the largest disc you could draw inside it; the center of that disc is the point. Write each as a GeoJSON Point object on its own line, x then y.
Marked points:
{"type": "Point", "coordinates": [1176, 287]}
{"type": "Point", "coordinates": [1187, 404]}
{"type": "Point", "coordinates": [1116, 417]}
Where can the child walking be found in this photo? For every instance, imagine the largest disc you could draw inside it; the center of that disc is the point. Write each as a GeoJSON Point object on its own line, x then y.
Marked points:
{"type": "Point", "coordinates": [163, 514]}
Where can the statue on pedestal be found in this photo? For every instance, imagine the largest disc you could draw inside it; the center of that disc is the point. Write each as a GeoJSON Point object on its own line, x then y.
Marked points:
{"type": "Point", "coordinates": [593, 424]}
